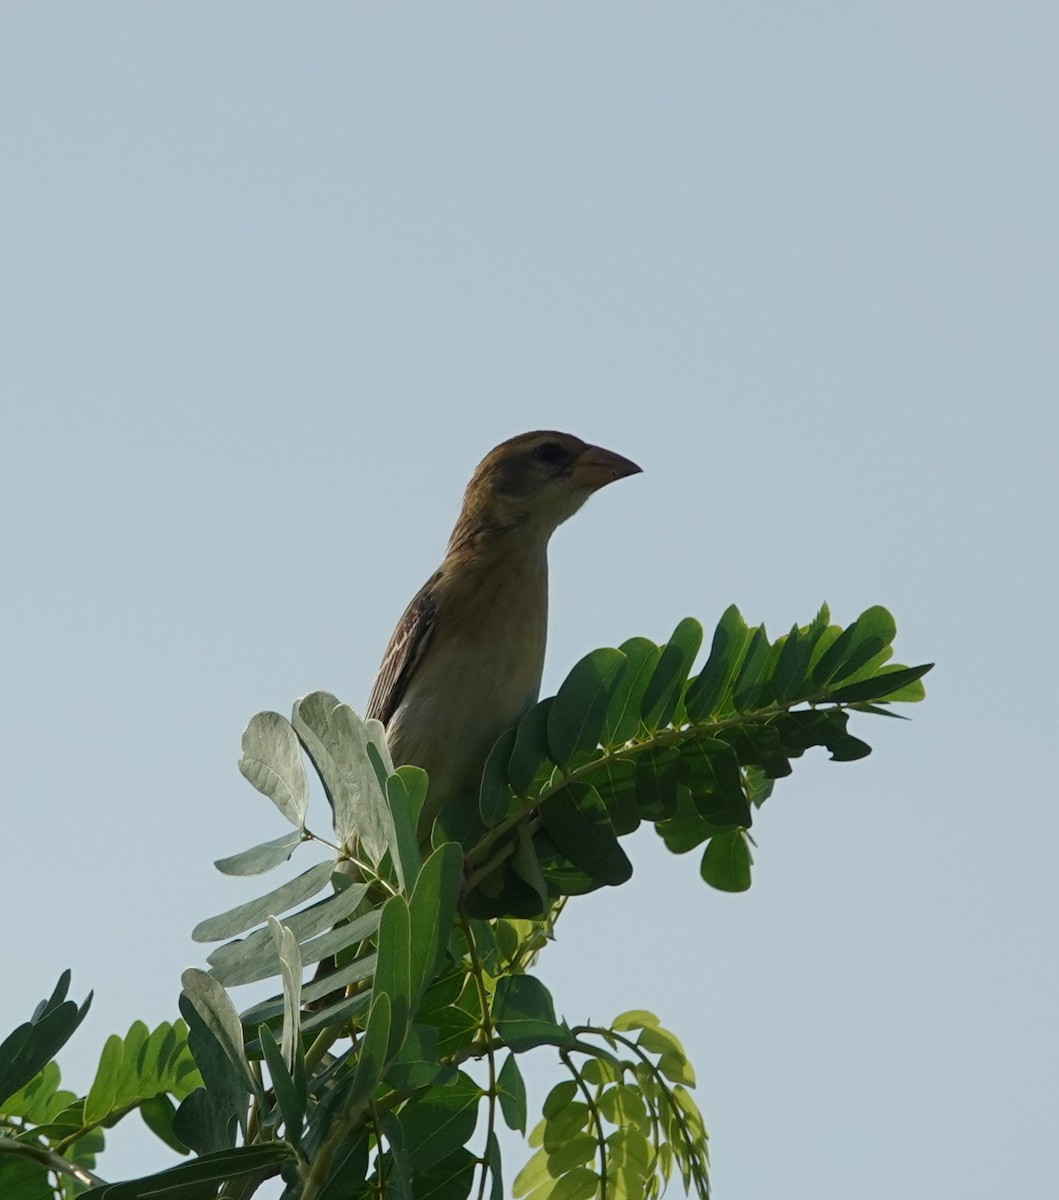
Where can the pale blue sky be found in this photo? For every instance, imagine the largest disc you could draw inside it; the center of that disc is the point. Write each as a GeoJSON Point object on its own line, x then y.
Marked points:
{"type": "Point", "coordinates": [276, 276]}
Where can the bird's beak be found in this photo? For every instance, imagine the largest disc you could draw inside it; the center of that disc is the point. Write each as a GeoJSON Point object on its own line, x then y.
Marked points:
{"type": "Point", "coordinates": [595, 467]}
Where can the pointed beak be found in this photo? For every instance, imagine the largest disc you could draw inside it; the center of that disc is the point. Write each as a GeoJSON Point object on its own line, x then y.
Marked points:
{"type": "Point", "coordinates": [596, 467]}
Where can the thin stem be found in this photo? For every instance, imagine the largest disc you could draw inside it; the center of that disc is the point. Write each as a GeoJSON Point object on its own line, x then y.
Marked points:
{"type": "Point", "coordinates": [315, 837]}
{"type": "Point", "coordinates": [593, 1108]}
{"type": "Point", "coordinates": [323, 1042]}
{"type": "Point", "coordinates": [486, 1029]}
{"type": "Point", "coordinates": [50, 1161]}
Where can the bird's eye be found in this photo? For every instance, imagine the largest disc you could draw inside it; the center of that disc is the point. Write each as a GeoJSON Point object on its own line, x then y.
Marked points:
{"type": "Point", "coordinates": [550, 453]}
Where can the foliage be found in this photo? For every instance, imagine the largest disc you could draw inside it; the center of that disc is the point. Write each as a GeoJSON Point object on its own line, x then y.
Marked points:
{"type": "Point", "coordinates": [354, 1084]}
{"type": "Point", "coordinates": [49, 1138]}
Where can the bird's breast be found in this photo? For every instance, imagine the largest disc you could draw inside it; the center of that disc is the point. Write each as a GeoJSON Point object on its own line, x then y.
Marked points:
{"type": "Point", "coordinates": [479, 673]}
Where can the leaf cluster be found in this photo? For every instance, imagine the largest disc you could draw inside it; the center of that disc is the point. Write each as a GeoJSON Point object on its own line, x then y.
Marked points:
{"type": "Point", "coordinates": [622, 1122]}
{"type": "Point", "coordinates": [357, 1082]}
{"type": "Point", "coordinates": [633, 736]}
{"type": "Point", "coordinates": [50, 1136]}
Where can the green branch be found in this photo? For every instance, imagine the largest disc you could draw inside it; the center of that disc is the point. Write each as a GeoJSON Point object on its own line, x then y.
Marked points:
{"type": "Point", "coordinates": [50, 1160]}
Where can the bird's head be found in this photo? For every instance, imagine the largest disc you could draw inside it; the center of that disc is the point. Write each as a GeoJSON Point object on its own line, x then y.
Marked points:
{"type": "Point", "coordinates": [536, 480]}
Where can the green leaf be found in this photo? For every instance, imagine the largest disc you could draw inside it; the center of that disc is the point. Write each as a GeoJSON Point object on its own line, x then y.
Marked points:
{"type": "Point", "coordinates": [798, 731]}
{"type": "Point", "coordinates": [157, 1113]}
{"type": "Point", "coordinates": [624, 1106]}
{"type": "Point", "coordinates": [824, 642]}
{"type": "Point", "coordinates": [823, 727]}
{"type": "Point", "coordinates": [677, 1069]}
{"type": "Point", "coordinates": [560, 876]}
{"type": "Point", "coordinates": [393, 1170]}
{"type": "Point", "coordinates": [245, 916]}
{"type": "Point", "coordinates": [790, 664]}
{"type": "Point", "coordinates": [348, 1169]}
{"type": "Point", "coordinates": [440, 1122]}
{"type": "Point", "coordinates": [393, 970]}
{"type": "Point", "coordinates": [22, 1179]}
{"type": "Point", "coordinates": [264, 1158]}
{"type": "Point", "coordinates": [290, 964]}
{"type": "Point", "coordinates": [30, 1046]}
{"type": "Point", "coordinates": [134, 1051]}
{"type": "Point", "coordinates": [373, 1051]}
{"type": "Point", "coordinates": [362, 968]}
{"type": "Point", "coordinates": [706, 693]}
{"type": "Point", "coordinates": [291, 1100]}
{"type": "Point", "coordinates": [346, 1009]}
{"type": "Point", "coordinates": [264, 857]}
{"type": "Point", "coordinates": [662, 694]}
{"type": "Point", "coordinates": [579, 1184]}
{"type": "Point", "coordinates": [873, 630]}
{"type": "Point", "coordinates": [526, 865]}
{"type": "Point", "coordinates": [457, 820]}
{"type": "Point", "coordinates": [726, 862]}
{"type": "Point", "coordinates": [629, 1148]}
{"type": "Point", "coordinates": [578, 712]}
{"type": "Point", "coordinates": [496, 802]}
{"type": "Point", "coordinates": [880, 710]}
{"type": "Point", "coordinates": [104, 1089]}
{"type": "Point", "coordinates": [272, 762]}
{"type": "Point", "coordinates": [336, 740]}
{"type": "Point", "coordinates": [205, 1121]}
{"type": "Point", "coordinates": [911, 693]}
{"type": "Point", "coordinates": [212, 1019]}
{"type": "Point", "coordinates": [658, 775]}
{"type": "Point", "coordinates": [574, 1151]}
{"type": "Point", "coordinates": [759, 785]}
{"type": "Point", "coordinates": [711, 774]}
{"type": "Point", "coordinates": [576, 820]}
{"type": "Point", "coordinates": [449, 1179]}
{"type": "Point", "coordinates": [494, 1165]}
{"type": "Point", "coordinates": [534, 1175]}
{"type": "Point", "coordinates": [750, 681]}
{"type": "Point", "coordinates": [813, 641]}
{"type": "Point", "coordinates": [404, 846]}
{"type": "Point", "coordinates": [452, 1007]}
{"type": "Point", "coordinates": [432, 910]}
{"type": "Point", "coordinates": [416, 784]}
{"type": "Point", "coordinates": [378, 752]}
{"type": "Point", "coordinates": [886, 685]}
{"type": "Point", "coordinates": [254, 957]}
{"type": "Point", "coordinates": [573, 1117]}
{"type": "Point", "coordinates": [622, 720]}
{"type": "Point", "coordinates": [531, 747]}
{"type": "Point", "coordinates": [560, 1097]}
{"type": "Point", "coordinates": [876, 631]}
{"type": "Point", "coordinates": [634, 1018]}
{"type": "Point", "coordinates": [511, 1090]}
{"type": "Point", "coordinates": [524, 1014]}
{"type": "Point", "coordinates": [505, 893]}
{"type": "Point", "coordinates": [417, 1065]}
{"type": "Point", "coordinates": [615, 780]}
{"type": "Point", "coordinates": [624, 1183]}
{"type": "Point", "coordinates": [758, 746]}
{"type": "Point", "coordinates": [361, 808]}
{"type": "Point", "coordinates": [657, 1040]}
{"type": "Point", "coordinates": [39, 1101]}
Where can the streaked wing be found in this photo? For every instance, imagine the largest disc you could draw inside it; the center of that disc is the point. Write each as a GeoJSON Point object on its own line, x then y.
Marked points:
{"type": "Point", "coordinates": [404, 652]}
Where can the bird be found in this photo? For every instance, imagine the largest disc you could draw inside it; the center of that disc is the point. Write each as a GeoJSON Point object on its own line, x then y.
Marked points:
{"type": "Point", "coordinates": [465, 661]}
